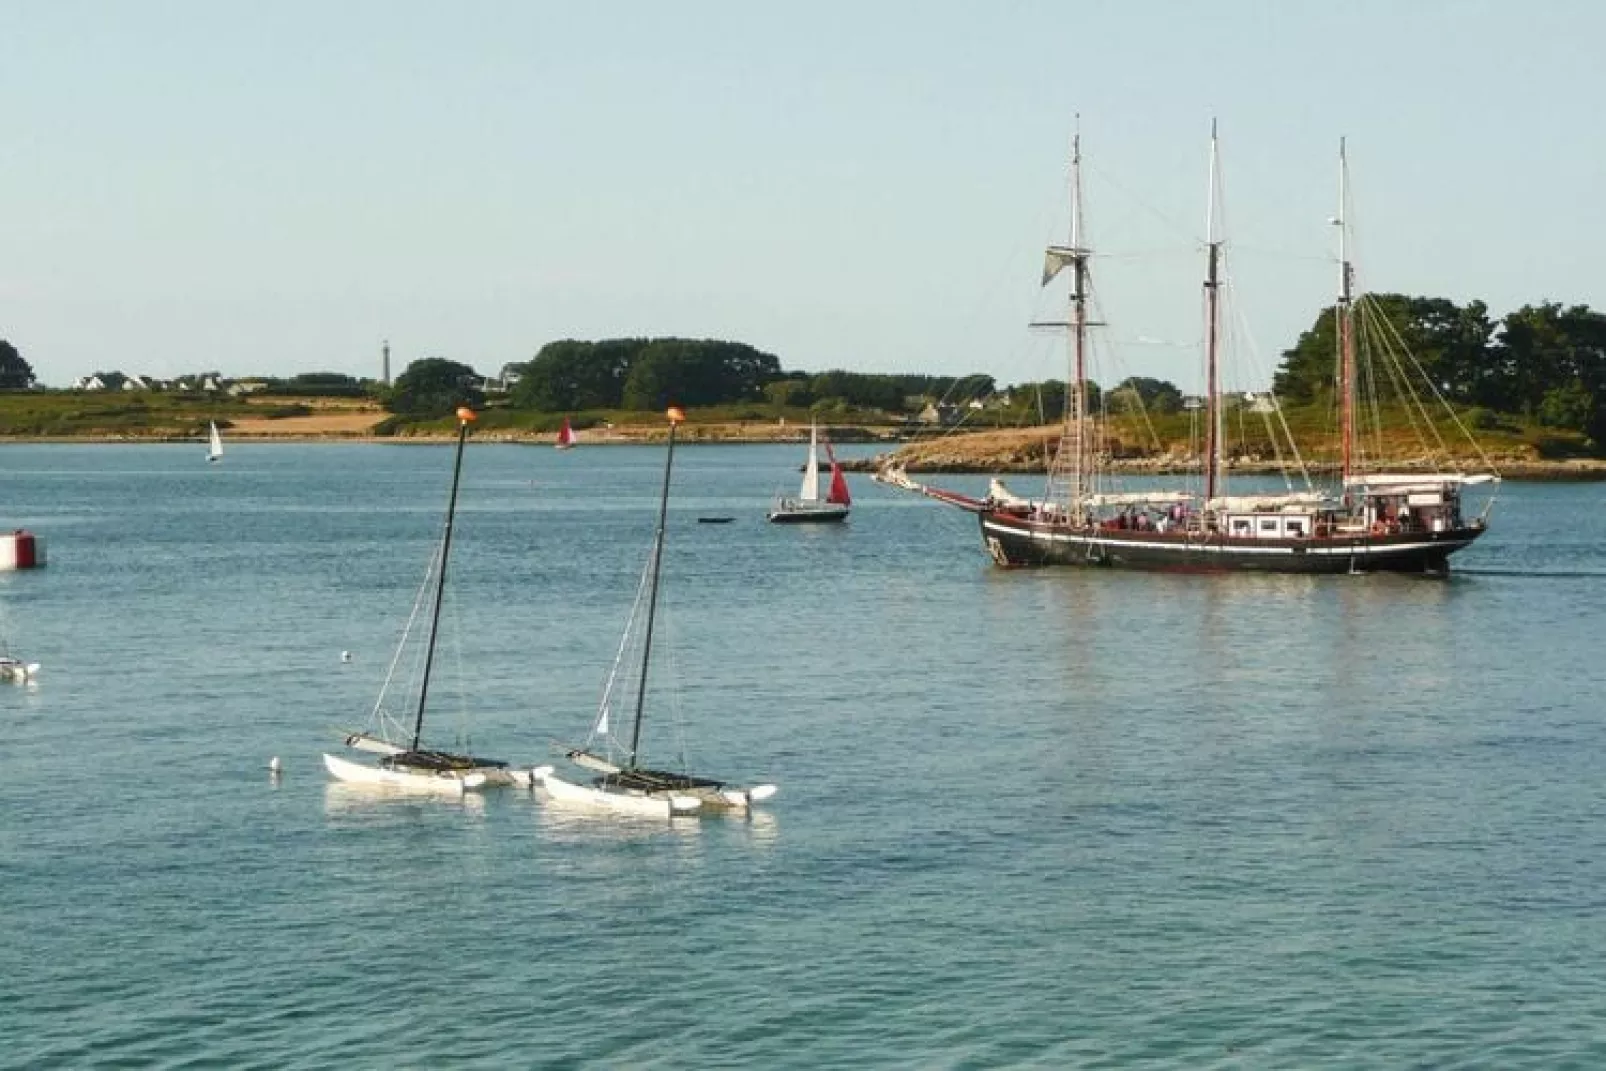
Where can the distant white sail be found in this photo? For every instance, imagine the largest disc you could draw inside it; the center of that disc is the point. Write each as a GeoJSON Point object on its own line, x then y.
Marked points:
{"type": "Point", "coordinates": [215, 450]}
{"type": "Point", "coordinates": [811, 472]}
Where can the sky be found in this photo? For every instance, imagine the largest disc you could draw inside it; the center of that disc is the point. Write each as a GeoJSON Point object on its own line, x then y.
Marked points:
{"type": "Point", "coordinates": [275, 188]}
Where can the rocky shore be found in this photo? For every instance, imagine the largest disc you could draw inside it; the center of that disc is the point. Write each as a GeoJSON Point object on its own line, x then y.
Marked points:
{"type": "Point", "coordinates": [1026, 451]}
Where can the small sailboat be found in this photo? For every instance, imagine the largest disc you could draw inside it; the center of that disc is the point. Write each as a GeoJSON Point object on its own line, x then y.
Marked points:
{"type": "Point", "coordinates": [565, 436]}
{"type": "Point", "coordinates": [214, 451]}
{"type": "Point", "coordinates": [623, 785]}
{"type": "Point", "coordinates": [808, 506]}
{"type": "Point", "coordinates": [403, 760]}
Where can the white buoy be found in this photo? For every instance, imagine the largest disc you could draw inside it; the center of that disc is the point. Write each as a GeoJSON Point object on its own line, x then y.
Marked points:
{"type": "Point", "coordinates": [274, 767]}
{"type": "Point", "coordinates": [345, 656]}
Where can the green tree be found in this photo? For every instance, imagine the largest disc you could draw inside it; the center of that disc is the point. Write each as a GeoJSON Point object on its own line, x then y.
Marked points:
{"type": "Point", "coordinates": [433, 387]}
{"type": "Point", "coordinates": [1547, 353]}
{"type": "Point", "coordinates": [1450, 344]}
{"type": "Point", "coordinates": [790, 392]}
{"type": "Point", "coordinates": [1571, 405]}
{"type": "Point", "coordinates": [1152, 395]}
{"type": "Point", "coordinates": [859, 389]}
{"type": "Point", "coordinates": [705, 372]}
{"type": "Point", "coordinates": [15, 373]}
{"type": "Point", "coordinates": [570, 375]}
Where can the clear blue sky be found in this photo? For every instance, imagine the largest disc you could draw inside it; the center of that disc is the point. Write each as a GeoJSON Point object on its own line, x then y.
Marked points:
{"type": "Point", "coordinates": [276, 187]}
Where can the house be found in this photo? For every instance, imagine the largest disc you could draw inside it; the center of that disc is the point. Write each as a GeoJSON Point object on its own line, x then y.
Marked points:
{"type": "Point", "coordinates": [240, 388]}
{"type": "Point", "coordinates": [939, 413]}
{"type": "Point", "coordinates": [89, 383]}
{"type": "Point", "coordinates": [135, 383]}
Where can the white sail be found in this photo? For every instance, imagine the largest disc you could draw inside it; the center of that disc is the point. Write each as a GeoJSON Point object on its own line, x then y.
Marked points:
{"type": "Point", "coordinates": [215, 450]}
{"type": "Point", "coordinates": [1251, 503]}
{"type": "Point", "coordinates": [811, 472]}
{"type": "Point", "coordinates": [372, 744]}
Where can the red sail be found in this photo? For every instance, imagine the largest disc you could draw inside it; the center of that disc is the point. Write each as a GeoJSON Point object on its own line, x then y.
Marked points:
{"type": "Point", "coordinates": [565, 436]}
{"type": "Point", "coordinates": [839, 484]}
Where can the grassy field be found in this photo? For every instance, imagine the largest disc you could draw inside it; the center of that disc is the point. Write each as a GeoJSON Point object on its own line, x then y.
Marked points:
{"type": "Point", "coordinates": [127, 415]}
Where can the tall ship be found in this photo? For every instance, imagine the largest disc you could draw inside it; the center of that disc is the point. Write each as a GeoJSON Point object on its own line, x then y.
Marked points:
{"type": "Point", "coordinates": [1365, 517]}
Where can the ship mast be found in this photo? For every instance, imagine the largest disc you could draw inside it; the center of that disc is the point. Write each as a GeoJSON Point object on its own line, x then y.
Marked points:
{"type": "Point", "coordinates": [1212, 288]}
{"type": "Point", "coordinates": [1073, 439]}
{"type": "Point", "coordinates": [1345, 322]}
{"type": "Point", "coordinates": [1078, 328]}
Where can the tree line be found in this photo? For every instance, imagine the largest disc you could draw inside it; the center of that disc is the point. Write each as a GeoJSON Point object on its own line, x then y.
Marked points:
{"type": "Point", "coordinates": [1545, 363]}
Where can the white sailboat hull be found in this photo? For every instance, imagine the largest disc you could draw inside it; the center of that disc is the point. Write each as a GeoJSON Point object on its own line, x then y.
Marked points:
{"type": "Point", "coordinates": [453, 782]}
{"type": "Point", "coordinates": [567, 793]}
{"type": "Point", "coordinates": [14, 670]}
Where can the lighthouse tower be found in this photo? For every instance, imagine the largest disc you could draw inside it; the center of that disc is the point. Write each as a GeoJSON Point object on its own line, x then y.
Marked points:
{"type": "Point", "coordinates": [384, 363]}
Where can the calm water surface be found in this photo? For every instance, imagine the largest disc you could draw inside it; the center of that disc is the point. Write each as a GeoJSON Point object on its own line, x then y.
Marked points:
{"type": "Point", "coordinates": [1035, 819]}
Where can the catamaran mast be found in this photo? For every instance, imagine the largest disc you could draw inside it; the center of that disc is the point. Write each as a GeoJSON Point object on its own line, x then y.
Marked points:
{"type": "Point", "coordinates": [1212, 285]}
{"type": "Point", "coordinates": [675, 417]}
{"type": "Point", "coordinates": [465, 416]}
{"type": "Point", "coordinates": [1344, 314]}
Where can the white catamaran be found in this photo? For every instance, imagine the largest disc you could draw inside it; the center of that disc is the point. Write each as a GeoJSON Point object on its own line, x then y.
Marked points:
{"type": "Point", "coordinates": [403, 762]}
{"type": "Point", "coordinates": [621, 783]}
{"type": "Point", "coordinates": [808, 506]}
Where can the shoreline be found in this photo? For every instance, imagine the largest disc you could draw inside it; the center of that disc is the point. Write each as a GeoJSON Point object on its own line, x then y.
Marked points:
{"type": "Point", "coordinates": [1565, 470]}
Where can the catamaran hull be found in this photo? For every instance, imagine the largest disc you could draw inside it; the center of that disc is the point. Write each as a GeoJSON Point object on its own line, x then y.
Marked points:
{"type": "Point", "coordinates": [454, 782]}
{"type": "Point", "coordinates": [643, 805]}
{"type": "Point", "coordinates": [1016, 541]}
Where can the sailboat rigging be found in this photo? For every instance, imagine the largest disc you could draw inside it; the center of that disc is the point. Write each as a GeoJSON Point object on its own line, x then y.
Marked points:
{"type": "Point", "coordinates": [808, 506]}
{"type": "Point", "coordinates": [214, 449]}
{"type": "Point", "coordinates": [404, 762]}
{"type": "Point", "coordinates": [1401, 521]}
{"type": "Point", "coordinates": [623, 784]}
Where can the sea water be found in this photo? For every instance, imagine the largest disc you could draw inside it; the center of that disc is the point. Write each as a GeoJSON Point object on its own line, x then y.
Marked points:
{"type": "Point", "coordinates": [1063, 818]}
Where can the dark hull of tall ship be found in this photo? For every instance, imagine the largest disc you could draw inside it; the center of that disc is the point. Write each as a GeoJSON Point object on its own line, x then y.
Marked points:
{"type": "Point", "coordinates": [1014, 540]}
